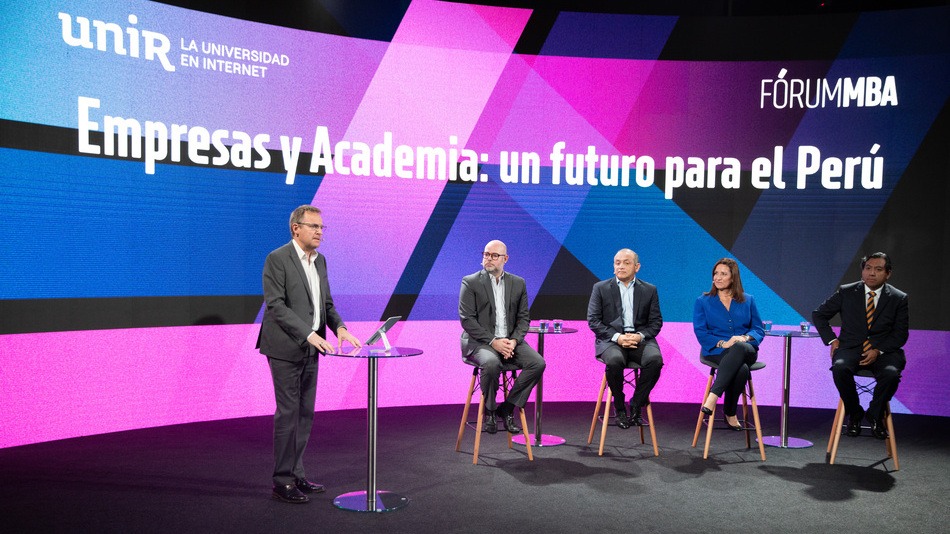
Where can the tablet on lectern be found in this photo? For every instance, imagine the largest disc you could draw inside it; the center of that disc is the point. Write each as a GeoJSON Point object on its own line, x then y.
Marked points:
{"type": "Point", "coordinates": [379, 333]}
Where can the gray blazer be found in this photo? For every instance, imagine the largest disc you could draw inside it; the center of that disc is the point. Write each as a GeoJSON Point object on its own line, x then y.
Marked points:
{"type": "Point", "coordinates": [477, 310]}
{"type": "Point", "coordinates": [288, 317]}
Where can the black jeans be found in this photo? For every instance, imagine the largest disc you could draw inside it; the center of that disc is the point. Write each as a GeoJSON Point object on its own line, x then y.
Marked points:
{"type": "Point", "coordinates": [648, 356]}
{"type": "Point", "coordinates": [733, 373]}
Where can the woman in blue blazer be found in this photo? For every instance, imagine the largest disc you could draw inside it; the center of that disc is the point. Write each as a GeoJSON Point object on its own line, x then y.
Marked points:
{"type": "Point", "coordinates": [729, 330]}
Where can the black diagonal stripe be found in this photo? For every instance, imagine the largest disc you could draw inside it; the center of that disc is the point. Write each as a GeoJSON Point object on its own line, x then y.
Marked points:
{"type": "Point", "coordinates": [536, 31]}
{"type": "Point", "coordinates": [721, 212]}
{"type": "Point", "coordinates": [427, 249]}
{"type": "Point", "coordinates": [758, 38]}
{"type": "Point", "coordinates": [365, 19]}
{"type": "Point", "coordinates": [565, 291]}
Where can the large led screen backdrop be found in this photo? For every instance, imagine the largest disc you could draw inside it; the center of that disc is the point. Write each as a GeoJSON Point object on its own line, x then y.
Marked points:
{"type": "Point", "coordinates": [150, 156]}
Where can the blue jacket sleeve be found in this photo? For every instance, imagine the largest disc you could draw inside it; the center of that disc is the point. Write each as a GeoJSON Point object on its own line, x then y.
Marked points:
{"type": "Point", "coordinates": [756, 332]}
{"type": "Point", "coordinates": [707, 341]}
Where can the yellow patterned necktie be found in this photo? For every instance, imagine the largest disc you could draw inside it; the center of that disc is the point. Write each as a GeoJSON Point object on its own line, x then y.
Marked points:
{"type": "Point", "coordinates": [870, 314]}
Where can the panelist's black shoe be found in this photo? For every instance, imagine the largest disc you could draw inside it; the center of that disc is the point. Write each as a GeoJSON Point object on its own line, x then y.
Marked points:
{"type": "Point", "coordinates": [635, 418]}
{"type": "Point", "coordinates": [490, 425]}
{"type": "Point", "coordinates": [510, 425]}
{"type": "Point", "coordinates": [306, 486]}
{"type": "Point", "coordinates": [737, 428]}
{"type": "Point", "coordinates": [878, 430]}
{"type": "Point", "coordinates": [622, 420]}
{"type": "Point", "coordinates": [289, 493]}
{"type": "Point", "coordinates": [854, 425]}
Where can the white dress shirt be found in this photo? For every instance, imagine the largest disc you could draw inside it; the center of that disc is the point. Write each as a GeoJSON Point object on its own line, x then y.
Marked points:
{"type": "Point", "coordinates": [309, 265]}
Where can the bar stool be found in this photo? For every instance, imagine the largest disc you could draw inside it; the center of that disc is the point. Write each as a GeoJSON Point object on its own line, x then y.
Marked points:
{"type": "Point", "coordinates": [747, 395]}
{"type": "Point", "coordinates": [630, 375]}
{"type": "Point", "coordinates": [890, 444]}
{"type": "Point", "coordinates": [509, 372]}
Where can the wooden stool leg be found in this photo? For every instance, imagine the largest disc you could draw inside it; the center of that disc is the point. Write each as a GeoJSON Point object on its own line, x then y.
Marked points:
{"type": "Point", "coordinates": [527, 438]}
{"type": "Point", "coordinates": [835, 426]}
{"type": "Point", "coordinates": [656, 448]}
{"type": "Point", "coordinates": [709, 430]}
{"type": "Point", "coordinates": [890, 444]}
{"type": "Point", "coordinates": [710, 423]}
{"type": "Point", "coordinates": [839, 420]}
{"type": "Point", "coordinates": [891, 439]}
{"type": "Point", "coordinates": [504, 395]}
{"type": "Point", "coordinates": [481, 418]}
{"type": "Point", "coordinates": [478, 427]}
{"type": "Point", "coordinates": [468, 404]}
{"type": "Point", "coordinates": [745, 420]}
{"type": "Point", "coordinates": [600, 397]}
{"type": "Point", "coordinates": [603, 429]}
{"type": "Point", "coordinates": [699, 420]}
{"type": "Point", "coordinates": [636, 376]}
{"type": "Point", "coordinates": [755, 416]}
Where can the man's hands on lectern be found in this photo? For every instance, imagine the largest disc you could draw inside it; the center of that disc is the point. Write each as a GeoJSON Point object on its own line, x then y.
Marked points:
{"type": "Point", "coordinates": [321, 344]}
{"type": "Point", "coordinates": [344, 336]}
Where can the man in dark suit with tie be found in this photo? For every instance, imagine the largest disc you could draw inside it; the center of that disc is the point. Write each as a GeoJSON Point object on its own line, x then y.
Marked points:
{"type": "Point", "coordinates": [624, 314]}
{"type": "Point", "coordinates": [874, 328]}
{"type": "Point", "coordinates": [298, 310]}
{"type": "Point", "coordinates": [493, 309]}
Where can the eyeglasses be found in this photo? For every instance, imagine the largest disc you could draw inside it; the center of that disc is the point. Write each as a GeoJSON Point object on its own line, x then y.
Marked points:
{"type": "Point", "coordinates": [313, 226]}
{"type": "Point", "coordinates": [493, 255]}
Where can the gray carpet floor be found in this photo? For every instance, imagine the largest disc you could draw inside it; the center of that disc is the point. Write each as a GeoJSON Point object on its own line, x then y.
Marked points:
{"type": "Point", "coordinates": [215, 476]}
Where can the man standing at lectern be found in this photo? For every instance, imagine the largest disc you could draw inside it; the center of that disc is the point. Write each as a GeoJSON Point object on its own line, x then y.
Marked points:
{"type": "Point", "coordinates": [293, 332]}
{"type": "Point", "coordinates": [493, 309]}
{"type": "Point", "coordinates": [874, 328]}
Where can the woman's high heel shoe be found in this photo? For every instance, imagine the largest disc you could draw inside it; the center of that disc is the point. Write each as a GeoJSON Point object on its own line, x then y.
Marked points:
{"type": "Point", "coordinates": [737, 428]}
{"type": "Point", "coordinates": [705, 410]}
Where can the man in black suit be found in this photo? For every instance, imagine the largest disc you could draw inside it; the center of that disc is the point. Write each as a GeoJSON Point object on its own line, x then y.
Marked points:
{"type": "Point", "coordinates": [293, 332]}
{"type": "Point", "coordinates": [493, 309]}
{"type": "Point", "coordinates": [624, 314]}
{"type": "Point", "coordinates": [874, 328]}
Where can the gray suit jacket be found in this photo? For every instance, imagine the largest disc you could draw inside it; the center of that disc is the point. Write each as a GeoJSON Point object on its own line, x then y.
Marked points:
{"type": "Point", "coordinates": [605, 312]}
{"type": "Point", "coordinates": [288, 317]}
{"type": "Point", "coordinates": [477, 310]}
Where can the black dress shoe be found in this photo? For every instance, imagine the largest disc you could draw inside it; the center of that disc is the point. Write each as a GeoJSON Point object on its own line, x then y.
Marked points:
{"type": "Point", "coordinates": [622, 420]}
{"type": "Point", "coordinates": [737, 428]}
{"type": "Point", "coordinates": [306, 486]}
{"type": "Point", "coordinates": [878, 430]}
{"type": "Point", "coordinates": [705, 410]}
{"type": "Point", "coordinates": [854, 426]}
{"type": "Point", "coordinates": [289, 493]}
{"type": "Point", "coordinates": [490, 425]}
{"type": "Point", "coordinates": [510, 425]}
{"type": "Point", "coordinates": [635, 418]}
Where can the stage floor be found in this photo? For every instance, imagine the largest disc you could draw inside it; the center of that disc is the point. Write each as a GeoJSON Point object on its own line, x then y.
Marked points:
{"type": "Point", "coordinates": [215, 477]}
